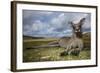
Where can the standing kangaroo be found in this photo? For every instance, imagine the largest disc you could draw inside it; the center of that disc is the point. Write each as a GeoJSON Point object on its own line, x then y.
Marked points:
{"type": "Point", "coordinates": [72, 45]}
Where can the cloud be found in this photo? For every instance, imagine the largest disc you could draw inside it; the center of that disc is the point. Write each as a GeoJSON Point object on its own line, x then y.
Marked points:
{"type": "Point", "coordinates": [52, 24]}
{"type": "Point", "coordinates": [59, 21]}
{"type": "Point", "coordinates": [38, 25]}
{"type": "Point", "coordinates": [35, 13]}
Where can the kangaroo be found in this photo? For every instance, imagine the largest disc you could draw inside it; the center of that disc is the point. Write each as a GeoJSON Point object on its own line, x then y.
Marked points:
{"type": "Point", "coordinates": [72, 45]}
{"type": "Point", "coordinates": [75, 44]}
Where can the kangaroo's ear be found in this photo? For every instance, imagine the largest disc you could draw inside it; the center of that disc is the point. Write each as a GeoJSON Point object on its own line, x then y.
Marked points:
{"type": "Point", "coordinates": [72, 24]}
{"type": "Point", "coordinates": [82, 21]}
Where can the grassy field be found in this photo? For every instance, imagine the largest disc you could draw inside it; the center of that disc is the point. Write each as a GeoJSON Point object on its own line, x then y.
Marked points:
{"type": "Point", "coordinates": [50, 54]}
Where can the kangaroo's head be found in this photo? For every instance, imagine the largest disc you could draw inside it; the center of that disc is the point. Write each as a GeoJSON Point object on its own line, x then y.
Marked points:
{"type": "Point", "coordinates": [77, 28]}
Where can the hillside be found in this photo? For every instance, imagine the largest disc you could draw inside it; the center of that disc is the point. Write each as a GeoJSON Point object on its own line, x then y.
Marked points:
{"type": "Point", "coordinates": [87, 40]}
{"type": "Point", "coordinates": [31, 37]}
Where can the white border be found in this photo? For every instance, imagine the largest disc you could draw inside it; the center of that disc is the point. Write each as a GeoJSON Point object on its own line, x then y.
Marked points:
{"type": "Point", "coordinates": [21, 65]}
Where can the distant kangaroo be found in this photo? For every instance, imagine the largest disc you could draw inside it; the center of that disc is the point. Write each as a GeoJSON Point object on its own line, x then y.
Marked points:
{"type": "Point", "coordinates": [71, 45]}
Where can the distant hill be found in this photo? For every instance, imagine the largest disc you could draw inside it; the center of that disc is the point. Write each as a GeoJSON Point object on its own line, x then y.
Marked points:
{"type": "Point", "coordinates": [87, 34]}
{"type": "Point", "coordinates": [31, 37]}
{"type": "Point", "coordinates": [87, 40]}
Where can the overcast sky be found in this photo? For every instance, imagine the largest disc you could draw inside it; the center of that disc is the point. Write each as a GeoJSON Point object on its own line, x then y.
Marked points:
{"type": "Point", "coordinates": [52, 23]}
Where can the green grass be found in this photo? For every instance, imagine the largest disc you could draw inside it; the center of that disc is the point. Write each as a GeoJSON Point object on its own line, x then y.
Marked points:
{"type": "Point", "coordinates": [49, 54]}
{"type": "Point", "coordinates": [52, 54]}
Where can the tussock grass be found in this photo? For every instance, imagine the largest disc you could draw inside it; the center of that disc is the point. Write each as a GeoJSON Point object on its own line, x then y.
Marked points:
{"type": "Point", "coordinates": [49, 54]}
